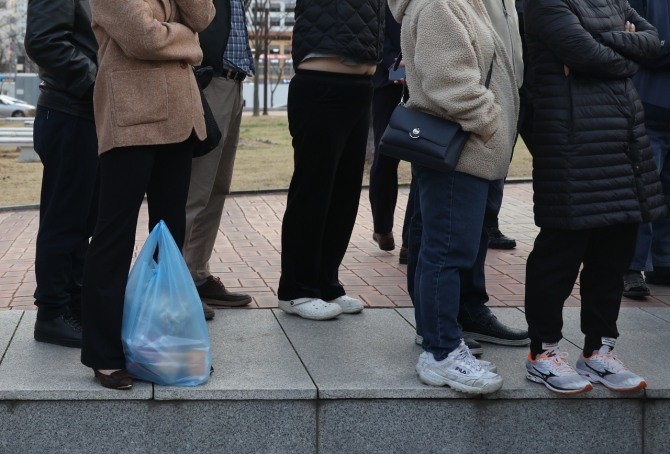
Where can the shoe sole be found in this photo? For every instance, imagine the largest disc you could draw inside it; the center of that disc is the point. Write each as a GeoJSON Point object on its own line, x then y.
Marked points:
{"type": "Point", "coordinates": [596, 379]}
{"type": "Point", "coordinates": [59, 342]}
{"type": "Point", "coordinates": [430, 378]}
{"type": "Point", "coordinates": [292, 311]}
{"type": "Point", "coordinates": [213, 302]}
{"type": "Point", "coordinates": [568, 392]}
{"type": "Point", "coordinates": [496, 340]}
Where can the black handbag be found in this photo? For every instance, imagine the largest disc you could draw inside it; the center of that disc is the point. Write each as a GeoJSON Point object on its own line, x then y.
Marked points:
{"type": "Point", "coordinates": [203, 76]}
{"type": "Point", "coordinates": [424, 139]}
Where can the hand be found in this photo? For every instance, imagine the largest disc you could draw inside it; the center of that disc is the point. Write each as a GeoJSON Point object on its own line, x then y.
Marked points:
{"type": "Point", "coordinates": [402, 80]}
{"type": "Point", "coordinates": [628, 27]}
{"type": "Point", "coordinates": [566, 70]}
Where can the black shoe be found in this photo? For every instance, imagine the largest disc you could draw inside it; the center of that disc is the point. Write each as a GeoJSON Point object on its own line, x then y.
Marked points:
{"type": "Point", "coordinates": [120, 379]}
{"type": "Point", "coordinates": [216, 294]}
{"type": "Point", "coordinates": [402, 257]}
{"type": "Point", "coordinates": [63, 330]}
{"type": "Point", "coordinates": [385, 241]}
{"type": "Point", "coordinates": [475, 347]}
{"type": "Point", "coordinates": [660, 276]}
{"type": "Point", "coordinates": [494, 332]}
{"type": "Point", "coordinates": [499, 241]}
{"type": "Point", "coordinates": [208, 311]}
{"type": "Point", "coordinates": [634, 285]}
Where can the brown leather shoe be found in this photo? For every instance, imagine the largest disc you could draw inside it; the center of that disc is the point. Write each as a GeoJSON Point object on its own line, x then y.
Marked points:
{"type": "Point", "coordinates": [208, 311]}
{"type": "Point", "coordinates": [384, 240]}
{"type": "Point", "coordinates": [120, 379]}
{"type": "Point", "coordinates": [216, 294]}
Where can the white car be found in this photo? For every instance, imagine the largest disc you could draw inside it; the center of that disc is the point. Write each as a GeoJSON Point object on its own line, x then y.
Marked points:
{"type": "Point", "coordinates": [12, 107]}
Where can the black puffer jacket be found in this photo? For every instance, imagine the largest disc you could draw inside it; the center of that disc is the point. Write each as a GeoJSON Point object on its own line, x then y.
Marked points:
{"type": "Point", "coordinates": [353, 29]}
{"type": "Point", "coordinates": [592, 164]}
{"type": "Point", "coordinates": [60, 40]}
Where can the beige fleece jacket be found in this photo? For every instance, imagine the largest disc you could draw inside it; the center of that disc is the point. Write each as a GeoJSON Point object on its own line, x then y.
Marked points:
{"type": "Point", "coordinates": [448, 46]}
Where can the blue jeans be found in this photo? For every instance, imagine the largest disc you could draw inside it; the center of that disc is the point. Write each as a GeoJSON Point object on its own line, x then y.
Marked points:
{"type": "Point", "coordinates": [452, 207]}
{"type": "Point", "coordinates": [653, 238]}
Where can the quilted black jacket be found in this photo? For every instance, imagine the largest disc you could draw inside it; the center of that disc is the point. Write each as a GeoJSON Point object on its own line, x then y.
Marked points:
{"type": "Point", "coordinates": [348, 28]}
{"type": "Point", "coordinates": [60, 40]}
{"type": "Point", "coordinates": [592, 164]}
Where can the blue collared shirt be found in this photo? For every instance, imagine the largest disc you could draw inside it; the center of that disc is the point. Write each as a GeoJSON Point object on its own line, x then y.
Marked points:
{"type": "Point", "coordinates": [238, 52]}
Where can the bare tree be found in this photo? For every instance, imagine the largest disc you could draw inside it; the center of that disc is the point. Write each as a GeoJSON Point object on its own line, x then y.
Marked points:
{"type": "Point", "coordinates": [261, 32]}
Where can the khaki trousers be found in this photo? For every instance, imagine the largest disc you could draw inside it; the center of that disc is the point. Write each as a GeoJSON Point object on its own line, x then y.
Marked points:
{"type": "Point", "coordinates": [211, 176]}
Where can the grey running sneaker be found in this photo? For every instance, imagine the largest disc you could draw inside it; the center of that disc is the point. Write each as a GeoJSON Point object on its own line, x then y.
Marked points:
{"type": "Point", "coordinates": [604, 367]}
{"type": "Point", "coordinates": [460, 371]}
{"type": "Point", "coordinates": [552, 370]}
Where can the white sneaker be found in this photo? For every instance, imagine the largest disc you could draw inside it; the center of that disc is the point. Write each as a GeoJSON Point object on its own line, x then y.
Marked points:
{"type": "Point", "coordinates": [604, 367]}
{"type": "Point", "coordinates": [486, 365]}
{"type": "Point", "coordinates": [460, 371]}
{"type": "Point", "coordinates": [552, 370]}
{"type": "Point", "coordinates": [348, 304]}
{"type": "Point", "coordinates": [311, 308]}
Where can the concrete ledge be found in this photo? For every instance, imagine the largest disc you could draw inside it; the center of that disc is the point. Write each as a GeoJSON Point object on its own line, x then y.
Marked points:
{"type": "Point", "coordinates": [284, 384]}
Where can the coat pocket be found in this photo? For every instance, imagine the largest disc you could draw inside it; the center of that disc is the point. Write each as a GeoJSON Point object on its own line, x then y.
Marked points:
{"type": "Point", "coordinates": [139, 96]}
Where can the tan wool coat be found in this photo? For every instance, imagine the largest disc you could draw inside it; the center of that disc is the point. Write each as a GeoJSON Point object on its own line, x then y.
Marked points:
{"type": "Point", "coordinates": [145, 92]}
{"type": "Point", "coordinates": [448, 47]}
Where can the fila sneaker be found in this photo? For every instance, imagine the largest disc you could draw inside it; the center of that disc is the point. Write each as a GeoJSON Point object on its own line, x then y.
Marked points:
{"type": "Point", "coordinates": [604, 367]}
{"type": "Point", "coordinates": [460, 371]}
{"type": "Point", "coordinates": [486, 365]}
{"type": "Point", "coordinates": [552, 370]}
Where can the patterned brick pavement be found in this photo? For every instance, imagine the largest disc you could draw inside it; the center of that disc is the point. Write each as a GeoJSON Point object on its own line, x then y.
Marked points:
{"type": "Point", "coordinates": [247, 254]}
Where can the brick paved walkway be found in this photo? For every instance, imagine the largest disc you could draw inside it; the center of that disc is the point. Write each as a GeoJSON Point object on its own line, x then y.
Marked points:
{"type": "Point", "coordinates": [247, 254]}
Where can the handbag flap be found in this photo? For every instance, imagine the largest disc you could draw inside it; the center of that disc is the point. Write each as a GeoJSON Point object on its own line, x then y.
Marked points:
{"type": "Point", "coordinates": [424, 126]}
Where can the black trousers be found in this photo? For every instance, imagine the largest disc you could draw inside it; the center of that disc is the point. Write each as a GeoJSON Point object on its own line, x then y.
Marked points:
{"type": "Point", "coordinates": [126, 174]}
{"type": "Point", "coordinates": [329, 118]}
{"type": "Point", "coordinates": [551, 272]}
{"type": "Point", "coordinates": [384, 170]}
{"type": "Point", "coordinates": [68, 148]}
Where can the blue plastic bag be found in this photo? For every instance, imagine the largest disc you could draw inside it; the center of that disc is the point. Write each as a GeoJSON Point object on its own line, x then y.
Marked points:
{"type": "Point", "coordinates": [164, 335]}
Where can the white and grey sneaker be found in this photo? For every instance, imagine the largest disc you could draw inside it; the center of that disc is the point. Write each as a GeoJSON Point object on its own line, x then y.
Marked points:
{"type": "Point", "coordinates": [552, 370]}
{"type": "Point", "coordinates": [311, 308]}
{"type": "Point", "coordinates": [348, 304]}
{"type": "Point", "coordinates": [604, 367]}
{"type": "Point", "coordinates": [486, 365]}
{"type": "Point", "coordinates": [459, 370]}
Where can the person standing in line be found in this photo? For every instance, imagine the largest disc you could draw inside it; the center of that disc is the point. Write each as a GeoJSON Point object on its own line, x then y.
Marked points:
{"type": "Point", "coordinates": [336, 49]}
{"type": "Point", "coordinates": [476, 320]}
{"type": "Point", "coordinates": [458, 69]}
{"type": "Point", "coordinates": [652, 81]}
{"type": "Point", "coordinates": [594, 182]}
{"type": "Point", "coordinates": [384, 171]}
{"type": "Point", "coordinates": [225, 47]}
{"type": "Point", "coordinates": [60, 40]}
{"type": "Point", "coordinates": [148, 115]}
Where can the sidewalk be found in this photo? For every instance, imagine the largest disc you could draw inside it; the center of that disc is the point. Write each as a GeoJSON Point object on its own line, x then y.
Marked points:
{"type": "Point", "coordinates": [282, 384]}
{"type": "Point", "coordinates": [247, 254]}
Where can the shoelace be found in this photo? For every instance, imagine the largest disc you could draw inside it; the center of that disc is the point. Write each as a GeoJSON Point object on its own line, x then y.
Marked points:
{"type": "Point", "coordinates": [613, 363]}
{"type": "Point", "coordinates": [559, 361]}
{"type": "Point", "coordinates": [73, 322]}
{"type": "Point", "coordinates": [465, 356]}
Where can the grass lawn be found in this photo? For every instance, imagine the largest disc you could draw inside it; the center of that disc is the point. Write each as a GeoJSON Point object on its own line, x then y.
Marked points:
{"type": "Point", "coordinates": [264, 161]}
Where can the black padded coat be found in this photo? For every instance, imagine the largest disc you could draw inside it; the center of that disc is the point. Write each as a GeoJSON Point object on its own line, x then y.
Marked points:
{"type": "Point", "coordinates": [592, 163]}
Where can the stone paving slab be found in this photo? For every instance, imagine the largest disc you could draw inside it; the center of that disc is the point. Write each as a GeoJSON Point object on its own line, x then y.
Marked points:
{"type": "Point", "coordinates": [9, 320]}
{"type": "Point", "coordinates": [33, 370]}
{"type": "Point", "coordinates": [252, 360]}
